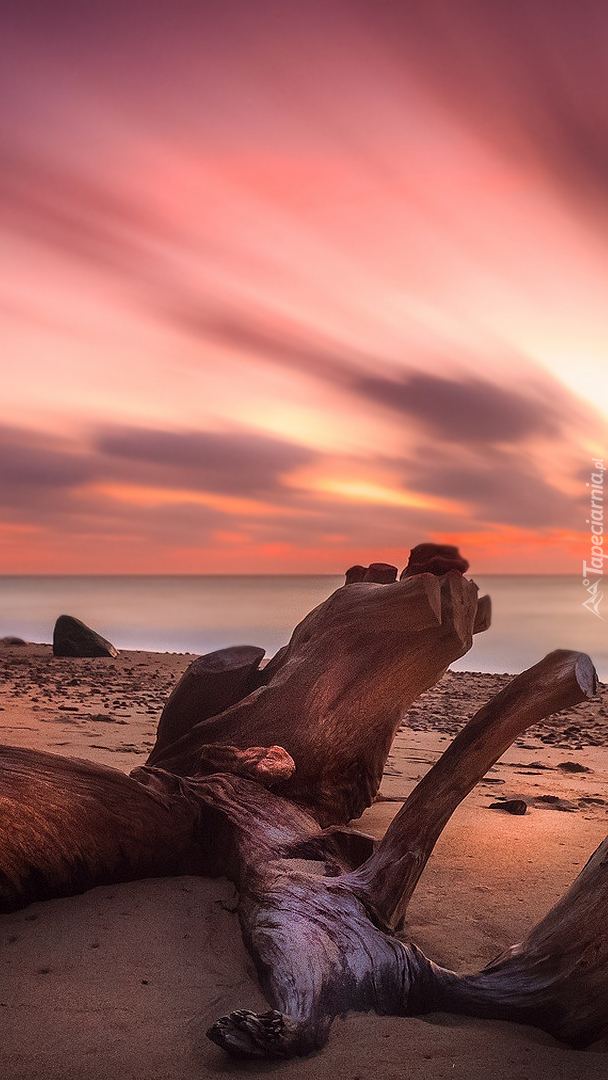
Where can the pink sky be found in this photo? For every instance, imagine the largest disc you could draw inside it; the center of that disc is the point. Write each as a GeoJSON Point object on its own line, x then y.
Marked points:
{"type": "Point", "coordinates": [289, 286]}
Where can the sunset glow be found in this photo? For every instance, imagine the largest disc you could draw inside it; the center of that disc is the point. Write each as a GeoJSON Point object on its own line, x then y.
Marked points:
{"type": "Point", "coordinates": [288, 287]}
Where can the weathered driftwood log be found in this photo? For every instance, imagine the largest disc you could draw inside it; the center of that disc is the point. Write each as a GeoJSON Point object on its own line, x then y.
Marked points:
{"type": "Point", "coordinates": [67, 825]}
{"type": "Point", "coordinates": [310, 926]}
{"type": "Point", "coordinates": [319, 936]}
{"type": "Point", "coordinates": [337, 692]}
{"type": "Point", "coordinates": [318, 900]}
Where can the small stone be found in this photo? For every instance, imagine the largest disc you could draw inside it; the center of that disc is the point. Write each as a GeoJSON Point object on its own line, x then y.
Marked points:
{"type": "Point", "coordinates": [511, 806]}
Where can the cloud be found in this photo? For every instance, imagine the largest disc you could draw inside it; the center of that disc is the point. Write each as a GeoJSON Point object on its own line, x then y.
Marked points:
{"type": "Point", "coordinates": [236, 463]}
{"type": "Point", "coordinates": [502, 487]}
{"type": "Point", "coordinates": [286, 347]}
{"type": "Point", "coordinates": [70, 212]}
{"type": "Point", "coordinates": [82, 492]}
{"type": "Point", "coordinates": [29, 460]}
{"type": "Point", "coordinates": [529, 75]}
{"type": "Point", "coordinates": [34, 466]}
{"type": "Point", "coordinates": [466, 411]}
{"type": "Point", "coordinates": [174, 525]}
{"type": "Point", "coordinates": [51, 483]}
{"type": "Point", "coordinates": [324, 521]}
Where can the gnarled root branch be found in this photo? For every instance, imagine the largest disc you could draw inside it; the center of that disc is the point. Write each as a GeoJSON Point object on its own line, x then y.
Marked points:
{"type": "Point", "coordinates": [387, 880]}
{"type": "Point", "coordinates": [245, 1034]}
{"type": "Point", "coordinates": [318, 952]}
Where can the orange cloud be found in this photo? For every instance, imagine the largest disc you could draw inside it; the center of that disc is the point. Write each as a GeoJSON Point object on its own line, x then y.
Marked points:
{"type": "Point", "coordinates": [133, 495]}
{"type": "Point", "coordinates": [504, 550]}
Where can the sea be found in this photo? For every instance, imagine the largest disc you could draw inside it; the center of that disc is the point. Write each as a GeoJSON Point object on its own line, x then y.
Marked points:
{"type": "Point", "coordinates": [530, 615]}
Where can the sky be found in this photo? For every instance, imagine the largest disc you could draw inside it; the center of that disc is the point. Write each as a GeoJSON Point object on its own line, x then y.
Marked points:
{"type": "Point", "coordinates": [289, 286]}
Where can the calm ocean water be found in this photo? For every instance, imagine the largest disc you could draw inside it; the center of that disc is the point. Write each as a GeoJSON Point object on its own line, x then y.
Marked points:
{"type": "Point", "coordinates": [531, 615]}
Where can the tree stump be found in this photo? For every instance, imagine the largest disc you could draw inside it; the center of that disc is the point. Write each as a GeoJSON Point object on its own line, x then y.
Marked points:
{"type": "Point", "coordinates": [263, 790]}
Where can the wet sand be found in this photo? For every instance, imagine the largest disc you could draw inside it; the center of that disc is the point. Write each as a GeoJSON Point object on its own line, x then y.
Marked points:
{"type": "Point", "coordinates": [124, 980]}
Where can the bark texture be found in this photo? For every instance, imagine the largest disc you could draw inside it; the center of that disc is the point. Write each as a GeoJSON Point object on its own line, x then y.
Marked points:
{"type": "Point", "coordinates": [67, 825]}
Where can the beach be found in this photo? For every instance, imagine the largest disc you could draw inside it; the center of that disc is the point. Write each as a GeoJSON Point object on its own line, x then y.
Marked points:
{"type": "Point", "coordinates": [125, 980]}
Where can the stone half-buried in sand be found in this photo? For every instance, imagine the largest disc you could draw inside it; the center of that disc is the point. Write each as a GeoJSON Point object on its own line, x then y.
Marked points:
{"type": "Point", "coordinates": [320, 902]}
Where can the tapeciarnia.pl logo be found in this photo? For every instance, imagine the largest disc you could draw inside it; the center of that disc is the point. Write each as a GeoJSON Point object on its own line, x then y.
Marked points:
{"type": "Point", "coordinates": [594, 570]}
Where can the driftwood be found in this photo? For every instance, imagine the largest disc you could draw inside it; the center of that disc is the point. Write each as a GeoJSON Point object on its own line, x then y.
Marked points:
{"type": "Point", "coordinates": [263, 791]}
{"type": "Point", "coordinates": [337, 692]}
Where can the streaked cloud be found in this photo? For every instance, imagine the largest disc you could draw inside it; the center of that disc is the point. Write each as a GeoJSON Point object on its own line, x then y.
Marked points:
{"type": "Point", "coordinates": [32, 460]}
{"type": "Point", "coordinates": [237, 463]}
{"type": "Point", "coordinates": [503, 487]}
{"type": "Point", "coordinates": [466, 411]}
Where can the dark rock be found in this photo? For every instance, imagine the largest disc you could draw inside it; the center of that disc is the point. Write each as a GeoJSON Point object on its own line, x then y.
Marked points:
{"type": "Point", "coordinates": [511, 806]}
{"type": "Point", "coordinates": [71, 637]}
{"type": "Point", "coordinates": [10, 640]}
{"type": "Point", "coordinates": [434, 559]}
{"type": "Point", "coordinates": [102, 718]}
{"type": "Point", "coordinates": [573, 767]}
{"type": "Point", "coordinates": [381, 572]}
{"type": "Point", "coordinates": [211, 684]}
{"type": "Point", "coordinates": [355, 573]}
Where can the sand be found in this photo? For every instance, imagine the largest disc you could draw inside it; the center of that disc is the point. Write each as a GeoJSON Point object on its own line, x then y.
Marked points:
{"type": "Point", "coordinates": [124, 980]}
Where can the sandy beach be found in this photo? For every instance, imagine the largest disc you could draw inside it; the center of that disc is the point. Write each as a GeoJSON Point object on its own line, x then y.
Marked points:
{"type": "Point", "coordinates": [124, 980]}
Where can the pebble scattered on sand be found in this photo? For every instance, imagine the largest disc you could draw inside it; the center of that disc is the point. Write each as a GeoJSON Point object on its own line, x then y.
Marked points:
{"type": "Point", "coordinates": [449, 704]}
